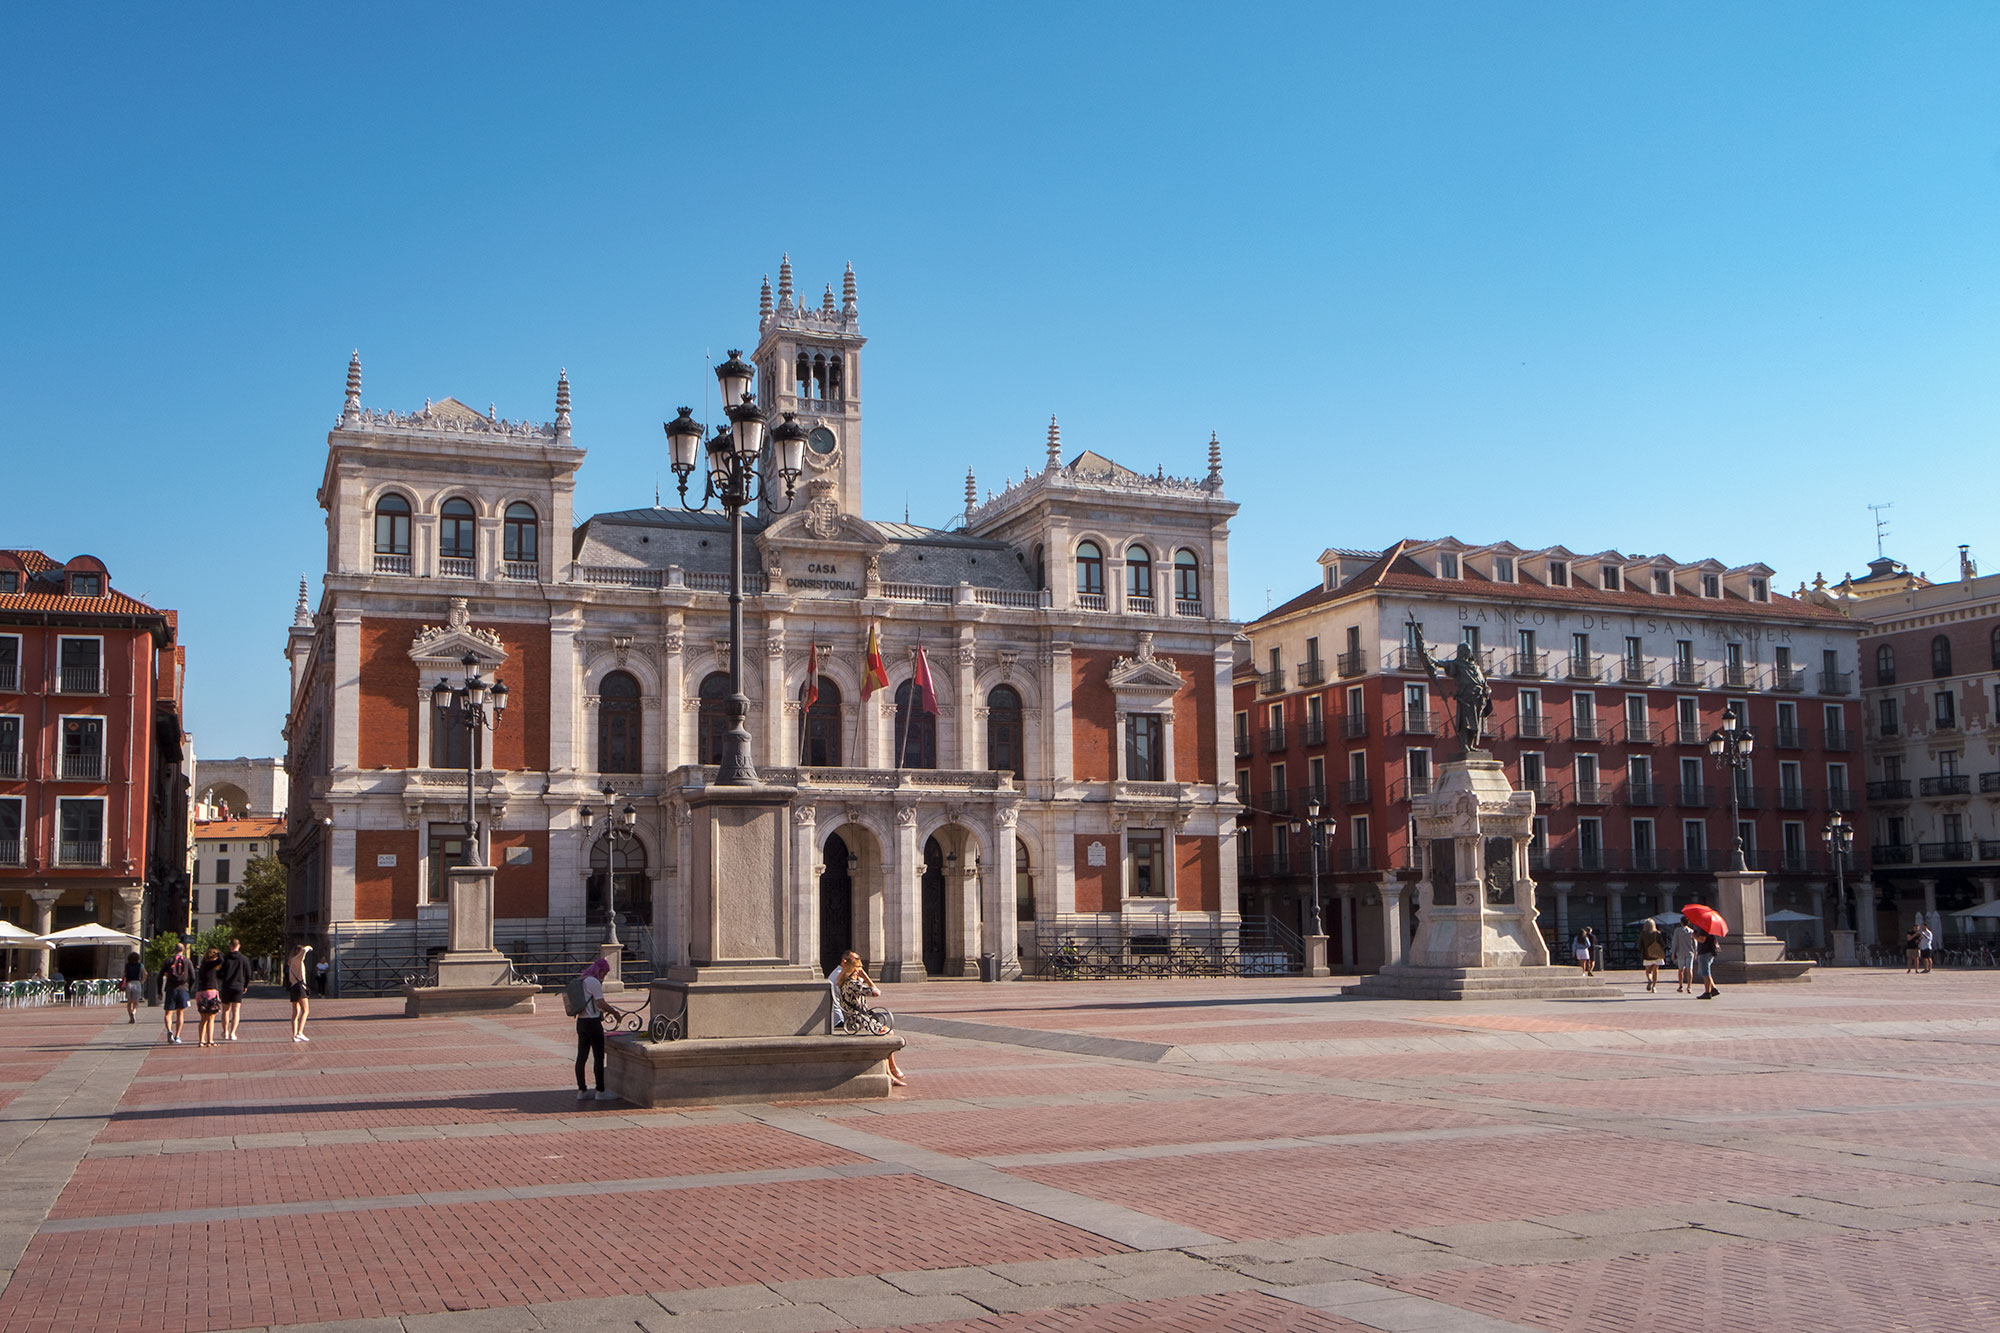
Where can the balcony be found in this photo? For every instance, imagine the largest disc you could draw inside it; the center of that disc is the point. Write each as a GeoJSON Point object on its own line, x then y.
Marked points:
{"type": "Point", "coordinates": [1534, 727]}
{"type": "Point", "coordinates": [1944, 723]}
{"type": "Point", "coordinates": [1272, 682]}
{"type": "Point", "coordinates": [1413, 724]}
{"type": "Point", "coordinates": [1690, 733]}
{"type": "Point", "coordinates": [1888, 726]}
{"type": "Point", "coordinates": [1584, 728]}
{"type": "Point", "coordinates": [1989, 849]}
{"type": "Point", "coordinates": [1635, 671]}
{"type": "Point", "coordinates": [10, 764]}
{"type": "Point", "coordinates": [1687, 674]}
{"type": "Point", "coordinates": [1405, 788]}
{"type": "Point", "coordinates": [1277, 801]}
{"type": "Point", "coordinates": [1836, 682]}
{"type": "Point", "coordinates": [81, 680]}
{"type": "Point", "coordinates": [1354, 858]}
{"type": "Point", "coordinates": [82, 767]}
{"type": "Point", "coordinates": [1538, 858]}
{"type": "Point", "coordinates": [1242, 745]}
{"type": "Point", "coordinates": [1351, 663]}
{"type": "Point", "coordinates": [1944, 851]}
{"type": "Point", "coordinates": [1408, 660]}
{"type": "Point", "coordinates": [1835, 739]}
{"type": "Point", "coordinates": [72, 853]}
{"type": "Point", "coordinates": [1315, 731]}
{"type": "Point", "coordinates": [1304, 798]}
{"type": "Point", "coordinates": [1792, 738]}
{"type": "Point", "coordinates": [1529, 666]}
{"type": "Point", "coordinates": [1585, 667]}
{"type": "Point", "coordinates": [1641, 858]}
{"type": "Point", "coordinates": [1896, 789]}
{"type": "Point", "coordinates": [1643, 793]}
{"type": "Point", "coordinates": [1547, 794]}
{"type": "Point", "coordinates": [1693, 795]}
{"type": "Point", "coordinates": [1794, 798]}
{"type": "Point", "coordinates": [521, 571]}
{"type": "Point", "coordinates": [1091, 601]}
{"type": "Point", "coordinates": [1839, 798]}
{"type": "Point", "coordinates": [1752, 798]}
{"type": "Point", "coordinates": [1989, 783]}
{"type": "Point", "coordinates": [1788, 680]}
{"type": "Point", "coordinates": [1270, 865]}
{"type": "Point", "coordinates": [1588, 858]}
{"type": "Point", "coordinates": [10, 678]}
{"type": "Point", "coordinates": [1192, 607]}
{"type": "Point", "coordinates": [1355, 791]}
{"type": "Point", "coordinates": [1640, 732]}
{"type": "Point", "coordinates": [1699, 859]}
{"type": "Point", "coordinates": [1739, 677]}
{"type": "Point", "coordinates": [1138, 604]}
{"type": "Point", "coordinates": [1353, 725]}
{"type": "Point", "coordinates": [1796, 862]}
{"type": "Point", "coordinates": [1890, 854]}
{"type": "Point", "coordinates": [386, 563]}
{"type": "Point", "coordinates": [1957, 784]}
{"type": "Point", "coordinates": [1593, 793]}
{"type": "Point", "coordinates": [1274, 740]}
{"type": "Point", "coordinates": [10, 852]}
{"type": "Point", "coordinates": [1312, 672]}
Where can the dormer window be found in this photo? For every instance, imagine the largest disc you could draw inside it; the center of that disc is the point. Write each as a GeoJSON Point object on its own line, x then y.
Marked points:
{"type": "Point", "coordinates": [1503, 569]}
{"type": "Point", "coordinates": [1612, 582]}
{"type": "Point", "coordinates": [86, 585]}
{"type": "Point", "coordinates": [1558, 573]}
{"type": "Point", "coordinates": [10, 580]}
{"type": "Point", "coordinates": [1447, 565]}
{"type": "Point", "coordinates": [1711, 585]}
{"type": "Point", "coordinates": [1663, 582]}
{"type": "Point", "coordinates": [1760, 590]}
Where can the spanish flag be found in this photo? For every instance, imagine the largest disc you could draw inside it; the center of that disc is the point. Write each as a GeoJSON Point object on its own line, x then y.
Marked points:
{"type": "Point", "coordinates": [920, 676]}
{"type": "Point", "coordinates": [874, 676]}
{"type": "Point", "coordinates": [810, 694]}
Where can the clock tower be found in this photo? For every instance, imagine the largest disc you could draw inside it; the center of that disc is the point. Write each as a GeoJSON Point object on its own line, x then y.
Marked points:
{"type": "Point", "coordinates": [809, 362]}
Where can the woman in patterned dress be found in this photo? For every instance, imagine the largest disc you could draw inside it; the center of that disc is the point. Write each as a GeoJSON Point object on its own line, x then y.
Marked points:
{"type": "Point", "coordinates": [851, 984]}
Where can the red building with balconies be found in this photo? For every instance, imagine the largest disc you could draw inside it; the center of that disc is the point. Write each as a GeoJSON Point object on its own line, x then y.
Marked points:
{"type": "Point", "coordinates": [1609, 673]}
{"type": "Point", "coordinates": [93, 804]}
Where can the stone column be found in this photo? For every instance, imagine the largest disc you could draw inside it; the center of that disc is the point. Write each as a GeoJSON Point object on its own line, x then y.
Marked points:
{"type": "Point", "coordinates": [781, 728]}
{"type": "Point", "coordinates": [565, 748]}
{"type": "Point", "coordinates": [805, 885]}
{"type": "Point", "coordinates": [1395, 935]}
{"type": "Point", "coordinates": [1818, 892]}
{"type": "Point", "coordinates": [901, 894]}
{"type": "Point", "coordinates": [45, 901]}
{"type": "Point", "coordinates": [1863, 889]}
{"type": "Point", "coordinates": [677, 725]}
{"type": "Point", "coordinates": [967, 744]}
{"type": "Point", "coordinates": [132, 905]}
{"type": "Point", "coordinates": [1562, 916]}
{"type": "Point", "coordinates": [1000, 932]}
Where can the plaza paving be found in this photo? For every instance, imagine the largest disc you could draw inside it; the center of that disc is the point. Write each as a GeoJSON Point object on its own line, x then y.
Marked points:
{"type": "Point", "coordinates": [1255, 1155]}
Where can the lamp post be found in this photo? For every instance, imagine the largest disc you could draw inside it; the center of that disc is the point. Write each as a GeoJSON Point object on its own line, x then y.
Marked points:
{"type": "Point", "coordinates": [617, 824]}
{"type": "Point", "coordinates": [1732, 746]}
{"type": "Point", "coordinates": [1319, 826]}
{"type": "Point", "coordinates": [734, 453]}
{"type": "Point", "coordinates": [1839, 836]}
{"type": "Point", "coordinates": [471, 699]}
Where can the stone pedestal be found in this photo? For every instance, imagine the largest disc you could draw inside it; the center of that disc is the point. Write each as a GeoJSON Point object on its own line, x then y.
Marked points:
{"type": "Point", "coordinates": [753, 1026]}
{"type": "Point", "coordinates": [613, 954]}
{"type": "Point", "coordinates": [1477, 936]}
{"type": "Point", "coordinates": [1843, 948]}
{"type": "Point", "coordinates": [1749, 953]}
{"type": "Point", "coordinates": [472, 975]}
{"type": "Point", "coordinates": [1316, 955]}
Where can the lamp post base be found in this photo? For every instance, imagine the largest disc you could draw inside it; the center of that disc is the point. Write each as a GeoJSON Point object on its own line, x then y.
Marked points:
{"type": "Point", "coordinates": [1316, 949]}
{"type": "Point", "coordinates": [1843, 948]}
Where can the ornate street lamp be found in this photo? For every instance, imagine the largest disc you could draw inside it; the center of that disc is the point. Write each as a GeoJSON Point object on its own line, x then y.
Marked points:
{"type": "Point", "coordinates": [1839, 836]}
{"type": "Point", "coordinates": [618, 824]}
{"type": "Point", "coordinates": [1321, 828]}
{"type": "Point", "coordinates": [1732, 746]}
{"type": "Point", "coordinates": [471, 699]}
{"type": "Point", "coordinates": [734, 479]}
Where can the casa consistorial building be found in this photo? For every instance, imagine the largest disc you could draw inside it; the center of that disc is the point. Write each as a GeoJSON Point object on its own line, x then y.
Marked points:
{"type": "Point", "coordinates": [1075, 625]}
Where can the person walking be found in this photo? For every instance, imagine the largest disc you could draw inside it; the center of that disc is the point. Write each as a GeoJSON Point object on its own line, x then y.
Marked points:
{"type": "Point", "coordinates": [135, 985]}
{"type": "Point", "coordinates": [208, 995]}
{"type": "Point", "coordinates": [852, 989]}
{"type": "Point", "coordinates": [319, 977]}
{"type": "Point", "coordinates": [235, 984]}
{"type": "Point", "coordinates": [590, 1028]}
{"type": "Point", "coordinates": [1584, 949]}
{"type": "Point", "coordinates": [1684, 952]}
{"type": "Point", "coordinates": [1704, 964]}
{"type": "Point", "coordinates": [295, 989]}
{"type": "Point", "coordinates": [1911, 946]}
{"type": "Point", "coordinates": [176, 986]}
{"type": "Point", "coordinates": [1652, 951]}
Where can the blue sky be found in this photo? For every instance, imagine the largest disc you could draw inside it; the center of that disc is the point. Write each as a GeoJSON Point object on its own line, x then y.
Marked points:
{"type": "Point", "coordinates": [1706, 279]}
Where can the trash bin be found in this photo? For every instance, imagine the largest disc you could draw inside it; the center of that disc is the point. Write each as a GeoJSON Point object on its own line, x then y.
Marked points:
{"type": "Point", "coordinates": [989, 967]}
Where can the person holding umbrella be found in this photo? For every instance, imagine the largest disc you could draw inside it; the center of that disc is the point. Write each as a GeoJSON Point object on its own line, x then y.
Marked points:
{"type": "Point", "coordinates": [1709, 928]}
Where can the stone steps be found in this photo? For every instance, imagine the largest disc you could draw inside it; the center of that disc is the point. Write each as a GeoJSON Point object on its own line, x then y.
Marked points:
{"type": "Point", "coordinates": [1400, 981]}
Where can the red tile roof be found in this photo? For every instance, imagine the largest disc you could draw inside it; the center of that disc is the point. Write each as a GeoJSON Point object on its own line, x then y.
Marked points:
{"type": "Point", "coordinates": [46, 595]}
{"type": "Point", "coordinates": [252, 826]}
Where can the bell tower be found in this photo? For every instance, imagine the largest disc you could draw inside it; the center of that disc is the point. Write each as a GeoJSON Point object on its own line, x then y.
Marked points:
{"type": "Point", "coordinates": [809, 362]}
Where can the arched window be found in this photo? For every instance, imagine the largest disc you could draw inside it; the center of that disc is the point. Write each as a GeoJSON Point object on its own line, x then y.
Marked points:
{"type": "Point", "coordinates": [1940, 655]}
{"type": "Point", "coordinates": [392, 525]}
{"type": "Point", "coordinates": [1024, 884]}
{"type": "Point", "coordinates": [836, 388]}
{"type": "Point", "coordinates": [1138, 571]}
{"type": "Point", "coordinates": [455, 530]}
{"type": "Point", "coordinates": [1885, 665]}
{"type": "Point", "coordinates": [916, 732]}
{"type": "Point", "coordinates": [819, 733]}
{"type": "Point", "coordinates": [714, 716]}
{"type": "Point", "coordinates": [618, 724]}
{"type": "Point", "coordinates": [520, 534]}
{"type": "Point", "coordinates": [1003, 729]}
{"type": "Point", "coordinates": [804, 376]}
{"type": "Point", "coordinates": [1041, 567]}
{"type": "Point", "coordinates": [1089, 569]}
{"type": "Point", "coordinates": [1187, 576]}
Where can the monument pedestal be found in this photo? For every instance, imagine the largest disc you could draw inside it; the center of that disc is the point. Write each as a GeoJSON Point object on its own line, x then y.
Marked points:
{"type": "Point", "coordinates": [473, 977]}
{"type": "Point", "coordinates": [751, 1025]}
{"type": "Point", "coordinates": [1316, 954]}
{"type": "Point", "coordinates": [1843, 948]}
{"type": "Point", "coordinates": [1749, 953]}
{"type": "Point", "coordinates": [1477, 936]}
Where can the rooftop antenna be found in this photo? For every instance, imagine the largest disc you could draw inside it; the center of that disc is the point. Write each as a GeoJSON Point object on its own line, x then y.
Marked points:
{"type": "Point", "coordinates": [1881, 526]}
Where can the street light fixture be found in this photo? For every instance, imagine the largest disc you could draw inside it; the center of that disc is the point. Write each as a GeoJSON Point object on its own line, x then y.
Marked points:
{"type": "Point", "coordinates": [1321, 829]}
{"type": "Point", "coordinates": [1732, 746]}
{"type": "Point", "coordinates": [471, 698]}
{"type": "Point", "coordinates": [1839, 836]}
{"type": "Point", "coordinates": [617, 824]}
{"type": "Point", "coordinates": [734, 453]}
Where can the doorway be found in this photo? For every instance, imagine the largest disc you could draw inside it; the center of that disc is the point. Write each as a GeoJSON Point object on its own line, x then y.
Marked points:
{"type": "Point", "coordinates": [933, 908]}
{"type": "Point", "coordinates": [836, 904]}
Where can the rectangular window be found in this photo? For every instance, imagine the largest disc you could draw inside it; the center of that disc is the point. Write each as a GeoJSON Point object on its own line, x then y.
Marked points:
{"type": "Point", "coordinates": [1276, 717]}
{"type": "Point", "coordinates": [1635, 653]}
{"type": "Point", "coordinates": [1417, 764]}
{"type": "Point", "coordinates": [1836, 786]}
{"type": "Point", "coordinates": [1529, 704]}
{"type": "Point", "coordinates": [1948, 764]}
{"type": "Point", "coordinates": [1687, 716]}
{"type": "Point", "coordinates": [1278, 793]}
{"type": "Point", "coordinates": [1145, 865]}
{"type": "Point", "coordinates": [1503, 569]}
{"type": "Point", "coordinates": [80, 666]}
{"type": "Point", "coordinates": [1312, 651]}
{"type": "Point", "coordinates": [1590, 840]}
{"type": "Point", "coordinates": [1583, 716]}
{"type": "Point", "coordinates": [1316, 778]}
{"type": "Point", "coordinates": [1694, 842]}
{"type": "Point", "coordinates": [222, 872]}
{"type": "Point", "coordinates": [1944, 710]}
{"type": "Point", "coordinates": [10, 663]}
{"type": "Point", "coordinates": [1711, 585]}
{"type": "Point", "coordinates": [1243, 784]}
{"type": "Point", "coordinates": [1357, 765]}
{"type": "Point", "coordinates": [1611, 579]}
{"type": "Point", "coordinates": [80, 831]}
{"type": "Point", "coordinates": [1639, 772]}
{"type": "Point", "coordinates": [1558, 573]}
{"type": "Point", "coordinates": [1242, 734]}
{"type": "Point", "coordinates": [1532, 773]}
{"type": "Point", "coordinates": [1733, 656]}
{"type": "Point", "coordinates": [1413, 637]}
{"type": "Point", "coordinates": [1760, 590]}
{"type": "Point", "coordinates": [1781, 657]}
{"type": "Point", "coordinates": [1413, 699]}
{"type": "Point", "coordinates": [1447, 565]}
{"type": "Point", "coordinates": [83, 749]}
{"type": "Point", "coordinates": [1145, 749]}
{"type": "Point", "coordinates": [1643, 845]}
{"type": "Point", "coordinates": [1357, 838]}
{"type": "Point", "coordinates": [221, 901]}
{"type": "Point", "coordinates": [11, 851]}
{"type": "Point", "coordinates": [1586, 778]}
{"type": "Point", "coordinates": [450, 737]}
{"type": "Point", "coordinates": [1886, 720]}
{"type": "Point", "coordinates": [1355, 701]}
{"type": "Point", "coordinates": [1638, 722]}
{"type": "Point", "coordinates": [10, 746]}
{"type": "Point", "coordinates": [1315, 718]}
{"type": "Point", "coordinates": [1663, 582]}
{"type": "Point", "coordinates": [447, 848]}
{"type": "Point", "coordinates": [194, 876]}
{"type": "Point", "coordinates": [1470, 636]}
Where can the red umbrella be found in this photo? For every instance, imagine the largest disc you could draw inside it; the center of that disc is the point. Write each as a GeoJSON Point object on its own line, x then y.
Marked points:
{"type": "Point", "coordinates": [1705, 919]}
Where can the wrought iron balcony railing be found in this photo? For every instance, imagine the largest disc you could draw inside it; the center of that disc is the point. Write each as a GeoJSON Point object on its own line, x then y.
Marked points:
{"type": "Point", "coordinates": [1355, 791]}
{"type": "Point", "coordinates": [1891, 854]}
{"type": "Point", "coordinates": [1529, 666]}
{"type": "Point", "coordinates": [1687, 674]}
{"type": "Point", "coordinates": [70, 852]}
{"type": "Point", "coordinates": [1956, 784]}
{"type": "Point", "coordinates": [1593, 793]}
{"type": "Point", "coordinates": [1835, 739]}
{"type": "Point", "coordinates": [1312, 672]}
{"type": "Point", "coordinates": [1895, 789]}
{"type": "Point", "coordinates": [1944, 851]}
{"type": "Point", "coordinates": [1274, 740]}
{"type": "Point", "coordinates": [1792, 738]}
{"type": "Point", "coordinates": [1534, 727]}
{"type": "Point", "coordinates": [1643, 793]}
{"type": "Point", "coordinates": [1273, 682]}
{"type": "Point", "coordinates": [1794, 798]}
{"type": "Point", "coordinates": [1836, 682]}
{"type": "Point", "coordinates": [81, 680]}
{"type": "Point", "coordinates": [82, 767]}
{"type": "Point", "coordinates": [1413, 724]}
{"type": "Point", "coordinates": [1788, 680]}
{"type": "Point", "coordinates": [1353, 725]}
{"type": "Point", "coordinates": [1693, 795]}
{"type": "Point", "coordinates": [1586, 666]}
{"type": "Point", "coordinates": [1351, 663]}
{"type": "Point", "coordinates": [1690, 733]}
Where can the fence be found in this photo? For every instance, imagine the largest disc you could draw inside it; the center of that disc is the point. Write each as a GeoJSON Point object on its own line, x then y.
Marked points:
{"type": "Point", "coordinates": [378, 960]}
{"type": "Point", "coordinates": [1092, 948]}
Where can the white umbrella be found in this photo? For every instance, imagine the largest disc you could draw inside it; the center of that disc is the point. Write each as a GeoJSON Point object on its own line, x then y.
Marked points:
{"type": "Point", "coordinates": [1667, 919]}
{"type": "Point", "coordinates": [1983, 910]}
{"type": "Point", "coordinates": [13, 937]}
{"type": "Point", "coordinates": [90, 934]}
{"type": "Point", "coordinates": [1785, 915]}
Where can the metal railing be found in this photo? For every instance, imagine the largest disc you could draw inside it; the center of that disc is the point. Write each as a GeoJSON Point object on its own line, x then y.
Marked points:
{"type": "Point", "coordinates": [1944, 851]}
{"type": "Point", "coordinates": [1635, 671]}
{"type": "Point", "coordinates": [1407, 659]}
{"type": "Point", "coordinates": [1750, 798]}
{"type": "Point", "coordinates": [1686, 673]}
{"type": "Point", "coordinates": [1788, 680]}
{"type": "Point", "coordinates": [10, 677]}
{"type": "Point", "coordinates": [1839, 798]}
{"type": "Point", "coordinates": [10, 764]}
{"type": "Point", "coordinates": [10, 852]}
{"type": "Point", "coordinates": [1956, 784]}
{"type": "Point", "coordinates": [1353, 725]}
{"type": "Point", "coordinates": [1354, 858]}
{"type": "Point", "coordinates": [1895, 789]}
{"type": "Point", "coordinates": [1529, 666]}
{"type": "Point", "coordinates": [1277, 801]}
{"type": "Point", "coordinates": [1834, 738]}
{"type": "Point", "coordinates": [1794, 798]}
{"type": "Point", "coordinates": [380, 960]}
{"type": "Point", "coordinates": [1989, 782]}
{"type": "Point", "coordinates": [1585, 666]}
{"type": "Point", "coordinates": [1795, 862]}
{"type": "Point", "coordinates": [457, 567]}
{"type": "Point", "coordinates": [1584, 728]}
{"type": "Point", "coordinates": [1351, 663]}
{"type": "Point", "coordinates": [1593, 793]}
{"type": "Point", "coordinates": [82, 767]}
{"type": "Point", "coordinates": [1989, 849]}
{"type": "Point", "coordinates": [1412, 724]}
{"type": "Point", "coordinates": [1243, 750]}
{"type": "Point", "coordinates": [1355, 791]}
{"type": "Point", "coordinates": [1272, 682]}
{"type": "Point", "coordinates": [1886, 726]}
{"type": "Point", "coordinates": [1690, 733]}
{"type": "Point", "coordinates": [1693, 795]}
{"type": "Point", "coordinates": [1535, 727]}
{"type": "Point", "coordinates": [81, 680]}
{"type": "Point", "coordinates": [386, 563]}
{"type": "Point", "coordinates": [1312, 672]}
{"type": "Point", "coordinates": [1099, 948]}
{"type": "Point", "coordinates": [1274, 740]}
{"type": "Point", "coordinates": [1739, 677]}
{"type": "Point", "coordinates": [1548, 795]}
{"type": "Point", "coordinates": [1792, 738]}
{"type": "Point", "coordinates": [1891, 854]}
{"type": "Point", "coordinates": [1315, 731]}
{"type": "Point", "coordinates": [1643, 793]}
{"type": "Point", "coordinates": [1836, 682]}
{"type": "Point", "coordinates": [71, 853]}
{"type": "Point", "coordinates": [1640, 731]}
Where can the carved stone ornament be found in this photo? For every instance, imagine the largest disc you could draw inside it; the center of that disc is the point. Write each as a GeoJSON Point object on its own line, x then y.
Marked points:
{"type": "Point", "coordinates": [822, 517]}
{"type": "Point", "coordinates": [1009, 659]}
{"type": "Point", "coordinates": [851, 815]}
{"type": "Point", "coordinates": [906, 816]}
{"type": "Point", "coordinates": [954, 814]}
{"type": "Point", "coordinates": [681, 815]}
{"type": "Point", "coordinates": [804, 815]}
{"type": "Point", "coordinates": [672, 641]}
{"type": "Point", "coordinates": [1007, 816]}
{"type": "Point", "coordinates": [775, 646]}
{"type": "Point", "coordinates": [621, 647]}
{"type": "Point", "coordinates": [966, 654]}
{"type": "Point", "coordinates": [451, 641]}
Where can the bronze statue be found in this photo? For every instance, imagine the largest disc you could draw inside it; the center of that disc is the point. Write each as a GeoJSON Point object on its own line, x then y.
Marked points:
{"type": "Point", "coordinates": [1471, 694]}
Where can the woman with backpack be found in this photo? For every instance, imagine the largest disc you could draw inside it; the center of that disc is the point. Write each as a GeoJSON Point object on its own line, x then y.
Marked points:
{"type": "Point", "coordinates": [585, 999]}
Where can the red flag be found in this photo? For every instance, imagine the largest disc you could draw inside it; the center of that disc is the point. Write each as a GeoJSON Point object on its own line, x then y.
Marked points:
{"type": "Point", "coordinates": [810, 694]}
{"type": "Point", "coordinates": [874, 676]}
{"type": "Point", "coordinates": [921, 678]}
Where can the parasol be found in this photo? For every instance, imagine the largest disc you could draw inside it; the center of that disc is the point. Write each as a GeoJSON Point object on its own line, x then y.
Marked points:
{"type": "Point", "coordinates": [1705, 919]}
{"type": "Point", "coordinates": [87, 934]}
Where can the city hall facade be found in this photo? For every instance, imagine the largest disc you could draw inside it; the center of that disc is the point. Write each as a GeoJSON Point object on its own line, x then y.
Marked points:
{"type": "Point", "coordinates": [1075, 624]}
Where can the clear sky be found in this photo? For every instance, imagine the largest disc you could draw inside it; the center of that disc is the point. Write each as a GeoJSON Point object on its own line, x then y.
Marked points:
{"type": "Point", "coordinates": [1703, 279]}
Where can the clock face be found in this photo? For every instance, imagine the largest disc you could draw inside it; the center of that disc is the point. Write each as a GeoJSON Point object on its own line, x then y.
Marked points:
{"type": "Point", "coordinates": [821, 440]}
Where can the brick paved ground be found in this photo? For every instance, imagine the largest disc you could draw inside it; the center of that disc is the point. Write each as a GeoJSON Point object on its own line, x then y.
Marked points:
{"type": "Point", "coordinates": [1193, 1156]}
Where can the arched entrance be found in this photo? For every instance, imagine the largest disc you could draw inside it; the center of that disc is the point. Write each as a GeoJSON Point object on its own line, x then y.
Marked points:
{"type": "Point", "coordinates": [933, 908]}
{"type": "Point", "coordinates": [618, 884]}
{"type": "Point", "coordinates": [836, 902]}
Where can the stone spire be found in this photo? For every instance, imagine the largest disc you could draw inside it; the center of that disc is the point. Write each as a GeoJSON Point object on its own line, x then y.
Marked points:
{"type": "Point", "coordinates": [1055, 445]}
{"type": "Point", "coordinates": [847, 290]}
{"type": "Point", "coordinates": [764, 299]}
{"type": "Point", "coordinates": [1214, 461]}
{"type": "Point", "coordinates": [562, 404]}
{"type": "Point", "coordinates": [971, 493]}
{"type": "Point", "coordinates": [352, 408]}
{"type": "Point", "coordinates": [826, 302]}
{"type": "Point", "coordinates": [301, 613]}
{"type": "Point", "coordinates": [785, 284]}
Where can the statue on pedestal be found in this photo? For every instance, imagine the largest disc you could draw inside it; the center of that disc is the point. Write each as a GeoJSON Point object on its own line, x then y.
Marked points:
{"type": "Point", "coordinates": [1471, 693]}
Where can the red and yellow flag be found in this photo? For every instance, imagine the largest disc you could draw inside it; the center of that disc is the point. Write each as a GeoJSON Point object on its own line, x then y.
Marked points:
{"type": "Point", "coordinates": [920, 676]}
{"type": "Point", "coordinates": [810, 694]}
{"type": "Point", "coordinates": [874, 676]}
